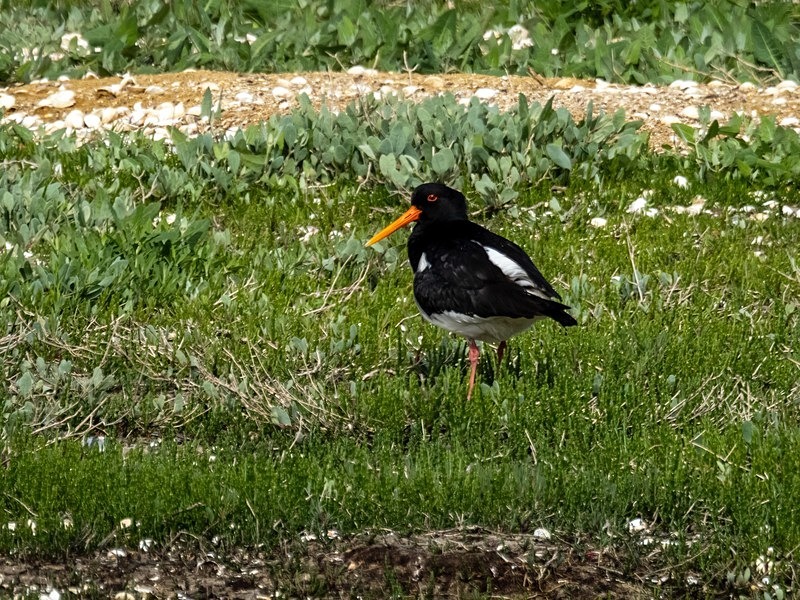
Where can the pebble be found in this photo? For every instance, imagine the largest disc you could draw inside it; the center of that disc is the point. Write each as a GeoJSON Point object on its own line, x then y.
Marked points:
{"type": "Point", "coordinates": [244, 97]}
{"type": "Point", "coordinates": [298, 81]}
{"type": "Point", "coordinates": [598, 222]}
{"type": "Point", "coordinates": [683, 84]}
{"type": "Point", "coordinates": [540, 533]}
{"type": "Point", "coordinates": [154, 89]}
{"type": "Point", "coordinates": [7, 101]}
{"type": "Point", "coordinates": [790, 211]}
{"type": "Point", "coordinates": [637, 525]}
{"type": "Point", "coordinates": [92, 121]}
{"type": "Point", "coordinates": [74, 119]}
{"type": "Point", "coordinates": [787, 85]}
{"type": "Point", "coordinates": [358, 71]}
{"type": "Point", "coordinates": [789, 122]}
{"type": "Point", "coordinates": [282, 92]}
{"type": "Point", "coordinates": [410, 90]}
{"type": "Point", "coordinates": [748, 86]}
{"type": "Point", "coordinates": [485, 93]}
{"type": "Point", "coordinates": [655, 107]}
{"type": "Point", "coordinates": [637, 205]}
{"type": "Point", "coordinates": [690, 112]}
{"type": "Point", "coordinates": [59, 99]}
{"type": "Point", "coordinates": [681, 181]}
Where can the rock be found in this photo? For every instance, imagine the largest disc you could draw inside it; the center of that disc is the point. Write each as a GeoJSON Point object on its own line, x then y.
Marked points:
{"type": "Point", "coordinates": [60, 99]}
{"type": "Point", "coordinates": [680, 181]}
{"type": "Point", "coordinates": [282, 92]}
{"type": "Point", "coordinates": [485, 93]}
{"type": "Point", "coordinates": [637, 205]}
{"type": "Point", "coordinates": [690, 112]}
{"type": "Point", "coordinates": [74, 119]}
{"type": "Point", "coordinates": [92, 121]}
{"type": "Point", "coordinates": [7, 101]}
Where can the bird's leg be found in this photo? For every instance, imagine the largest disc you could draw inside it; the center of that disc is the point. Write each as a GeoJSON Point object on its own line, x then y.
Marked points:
{"type": "Point", "coordinates": [501, 348]}
{"type": "Point", "coordinates": [474, 353]}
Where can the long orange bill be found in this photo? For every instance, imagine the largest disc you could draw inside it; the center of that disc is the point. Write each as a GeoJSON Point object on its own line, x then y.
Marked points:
{"type": "Point", "coordinates": [411, 215]}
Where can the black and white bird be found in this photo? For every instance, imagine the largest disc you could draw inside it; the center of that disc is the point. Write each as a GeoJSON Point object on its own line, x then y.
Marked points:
{"type": "Point", "coordinates": [469, 280]}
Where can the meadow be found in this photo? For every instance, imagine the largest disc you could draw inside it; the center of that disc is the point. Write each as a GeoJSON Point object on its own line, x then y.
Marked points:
{"type": "Point", "coordinates": [197, 346]}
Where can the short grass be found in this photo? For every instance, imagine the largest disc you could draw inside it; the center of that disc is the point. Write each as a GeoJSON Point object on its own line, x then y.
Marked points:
{"type": "Point", "coordinates": [250, 371]}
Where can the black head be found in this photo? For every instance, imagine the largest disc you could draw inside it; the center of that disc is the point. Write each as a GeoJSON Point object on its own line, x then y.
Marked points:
{"type": "Point", "coordinates": [430, 202]}
{"type": "Point", "coordinates": [437, 202]}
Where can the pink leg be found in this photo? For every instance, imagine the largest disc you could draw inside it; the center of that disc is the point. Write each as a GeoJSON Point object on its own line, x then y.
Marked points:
{"type": "Point", "coordinates": [474, 353]}
{"type": "Point", "coordinates": [500, 351]}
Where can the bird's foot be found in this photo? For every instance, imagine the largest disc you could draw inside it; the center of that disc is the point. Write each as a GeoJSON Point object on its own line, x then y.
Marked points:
{"type": "Point", "coordinates": [474, 354]}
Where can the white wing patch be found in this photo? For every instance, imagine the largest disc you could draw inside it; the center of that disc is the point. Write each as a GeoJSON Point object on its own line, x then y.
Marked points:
{"type": "Point", "coordinates": [514, 272]}
{"type": "Point", "coordinates": [422, 264]}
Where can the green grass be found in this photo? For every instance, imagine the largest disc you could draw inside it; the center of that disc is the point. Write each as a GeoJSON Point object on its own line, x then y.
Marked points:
{"type": "Point", "coordinates": [253, 386]}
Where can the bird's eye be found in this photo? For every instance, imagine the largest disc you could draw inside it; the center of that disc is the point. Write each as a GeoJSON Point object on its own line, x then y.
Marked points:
{"type": "Point", "coordinates": [432, 197]}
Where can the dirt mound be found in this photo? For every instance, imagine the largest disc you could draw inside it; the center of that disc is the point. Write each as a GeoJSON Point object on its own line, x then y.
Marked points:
{"type": "Point", "coordinates": [153, 101]}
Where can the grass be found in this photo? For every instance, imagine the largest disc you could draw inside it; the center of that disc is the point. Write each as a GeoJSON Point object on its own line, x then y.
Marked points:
{"type": "Point", "coordinates": [252, 386]}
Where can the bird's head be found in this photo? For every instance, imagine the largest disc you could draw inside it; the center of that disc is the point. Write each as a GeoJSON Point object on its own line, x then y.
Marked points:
{"type": "Point", "coordinates": [429, 202]}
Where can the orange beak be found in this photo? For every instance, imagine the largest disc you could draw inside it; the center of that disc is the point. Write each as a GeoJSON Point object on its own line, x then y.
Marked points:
{"type": "Point", "coordinates": [411, 215]}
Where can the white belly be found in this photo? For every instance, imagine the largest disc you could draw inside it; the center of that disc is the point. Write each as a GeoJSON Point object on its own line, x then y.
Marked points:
{"type": "Point", "coordinates": [485, 329]}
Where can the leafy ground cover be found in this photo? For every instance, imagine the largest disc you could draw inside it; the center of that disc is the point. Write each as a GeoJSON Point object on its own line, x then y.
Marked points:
{"type": "Point", "coordinates": [619, 41]}
{"type": "Point", "coordinates": [197, 346]}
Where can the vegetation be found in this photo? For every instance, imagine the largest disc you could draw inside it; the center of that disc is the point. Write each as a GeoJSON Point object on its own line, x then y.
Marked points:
{"type": "Point", "coordinates": [196, 341]}
{"type": "Point", "coordinates": [633, 42]}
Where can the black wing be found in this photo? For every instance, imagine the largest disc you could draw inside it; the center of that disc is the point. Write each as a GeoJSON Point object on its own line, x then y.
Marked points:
{"type": "Point", "coordinates": [461, 278]}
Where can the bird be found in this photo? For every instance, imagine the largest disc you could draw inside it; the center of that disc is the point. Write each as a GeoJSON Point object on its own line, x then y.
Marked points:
{"type": "Point", "coordinates": [469, 280]}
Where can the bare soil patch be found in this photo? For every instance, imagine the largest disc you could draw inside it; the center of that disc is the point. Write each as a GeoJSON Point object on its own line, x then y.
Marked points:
{"type": "Point", "coordinates": [456, 563]}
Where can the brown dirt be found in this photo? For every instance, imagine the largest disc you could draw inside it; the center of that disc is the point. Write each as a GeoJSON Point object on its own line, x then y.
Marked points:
{"type": "Point", "coordinates": [656, 106]}
{"type": "Point", "coordinates": [456, 563]}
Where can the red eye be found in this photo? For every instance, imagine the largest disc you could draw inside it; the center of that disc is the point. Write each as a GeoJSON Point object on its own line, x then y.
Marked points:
{"type": "Point", "coordinates": [432, 197]}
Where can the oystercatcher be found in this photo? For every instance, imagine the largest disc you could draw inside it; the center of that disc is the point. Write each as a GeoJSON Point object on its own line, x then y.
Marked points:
{"type": "Point", "coordinates": [469, 280]}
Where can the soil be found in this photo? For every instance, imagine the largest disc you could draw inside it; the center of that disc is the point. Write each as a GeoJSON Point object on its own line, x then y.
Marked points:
{"type": "Point", "coordinates": [457, 563]}
{"type": "Point", "coordinates": [249, 98]}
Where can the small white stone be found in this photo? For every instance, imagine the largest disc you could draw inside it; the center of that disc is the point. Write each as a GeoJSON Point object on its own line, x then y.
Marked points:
{"type": "Point", "coordinates": [669, 119]}
{"type": "Point", "coordinates": [410, 90]}
{"type": "Point", "coordinates": [117, 552]}
{"type": "Point", "coordinates": [637, 205]}
{"type": "Point", "coordinates": [787, 85]}
{"type": "Point", "coordinates": [160, 134]}
{"type": "Point", "coordinates": [356, 70]}
{"type": "Point", "coordinates": [790, 211]}
{"type": "Point", "coordinates": [789, 122]}
{"type": "Point", "coordinates": [540, 533]}
{"type": "Point", "coordinates": [748, 86]}
{"type": "Point", "coordinates": [179, 110]}
{"type": "Point", "coordinates": [298, 81]}
{"type": "Point", "coordinates": [92, 121]}
{"type": "Point", "coordinates": [7, 101]}
{"type": "Point", "coordinates": [126, 523]}
{"type": "Point", "coordinates": [655, 107]}
{"type": "Point", "coordinates": [716, 115]}
{"type": "Point", "coordinates": [74, 119]}
{"type": "Point", "coordinates": [683, 84]}
{"type": "Point", "coordinates": [637, 525]}
{"type": "Point", "coordinates": [244, 97]}
{"type": "Point", "coordinates": [59, 99]}
{"type": "Point", "coordinates": [165, 112]}
{"type": "Point", "coordinates": [690, 112]}
{"type": "Point", "coordinates": [154, 89]}
{"type": "Point", "coordinates": [651, 212]}
{"type": "Point", "coordinates": [282, 92]}
{"type": "Point", "coordinates": [11, 526]}
{"type": "Point", "coordinates": [485, 93]}
{"type": "Point", "coordinates": [598, 222]}
{"type": "Point", "coordinates": [145, 544]}
{"type": "Point", "coordinates": [681, 181]}
{"type": "Point", "coordinates": [760, 217]}
{"type": "Point", "coordinates": [108, 114]}
{"type": "Point", "coordinates": [194, 111]}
